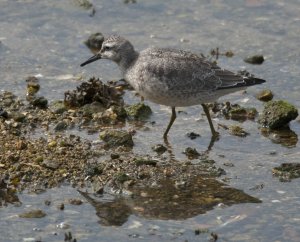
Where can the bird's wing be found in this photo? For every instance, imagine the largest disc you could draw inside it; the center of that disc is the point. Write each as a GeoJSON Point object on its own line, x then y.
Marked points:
{"type": "Point", "coordinates": [185, 72]}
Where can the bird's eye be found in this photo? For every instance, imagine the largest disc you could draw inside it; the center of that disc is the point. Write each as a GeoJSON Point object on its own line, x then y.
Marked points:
{"type": "Point", "coordinates": [107, 47]}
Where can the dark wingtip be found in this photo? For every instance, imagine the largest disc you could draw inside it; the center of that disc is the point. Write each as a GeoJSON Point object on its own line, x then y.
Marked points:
{"type": "Point", "coordinates": [258, 81]}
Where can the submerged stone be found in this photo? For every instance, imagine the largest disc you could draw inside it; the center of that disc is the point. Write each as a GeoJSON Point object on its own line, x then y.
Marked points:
{"type": "Point", "coordinates": [287, 171]}
{"type": "Point", "coordinates": [33, 214]}
{"type": "Point", "coordinates": [255, 59]}
{"type": "Point", "coordinates": [277, 114]}
{"type": "Point", "coordinates": [241, 113]}
{"type": "Point", "coordinates": [114, 138]}
{"type": "Point", "coordinates": [138, 111]}
{"type": "Point", "coordinates": [237, 131]}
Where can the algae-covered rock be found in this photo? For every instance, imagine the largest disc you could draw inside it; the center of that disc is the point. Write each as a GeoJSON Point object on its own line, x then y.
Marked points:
{"type": "Point", "coordinates": [114, 138]}
{"type": "Point", "coordinates": [255, 59]}
{"type": "Point", "coordinates": [237, 131]}
{"type": "Point", "coordinates": [277, 114]}
{"type": "Point", "coordinates": [287, 171]}
{"type": "Point", "coordinates": [138, 111]}
{"type": "Point", "coordinates": [40, 102]}
{"type": "Point", "coordinates": [241, 113]}
{"type": "Point", "coordinates": [265, 95]}
{"type": "Point", "coordinates": [191, 153]}
{"type": "Point", "coordinates": [111, 115]}
{"type": "Point", "coordinates": [58, 107]}
{"type": "Point", "coordinates": [159, 148]}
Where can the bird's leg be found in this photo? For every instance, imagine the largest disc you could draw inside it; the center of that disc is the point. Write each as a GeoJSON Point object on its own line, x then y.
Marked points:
{"type": "Point", "coordinates": [214, 133]}
{"type": "Point", "coordinates": [172, 119]}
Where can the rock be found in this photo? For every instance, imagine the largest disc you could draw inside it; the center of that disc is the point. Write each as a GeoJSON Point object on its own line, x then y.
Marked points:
{"type": "Point", "coordinates": [3, 113]}
{"type": "Point", "coordinates": [240, 113]}
{"type": "Point", "coordinates": [191, 153]}
{"type": "Point", "coordinates": [255, 59]}
{"type": "Point", "coordinates": [142, 161]}
{"type": "Point", "coordinates": [277, 114]}
{"type": "Point", "coordinates": [122, 177]}
{"type": "Point", "coordinates": [18, 117]}
{"type": "Point", "coordinates": [58, 107]}
{"type": "Point", "coordinates": [39, 102]}
{"type": "Point", "coordinates": [287, 171]}
{"type": "Point", "coordinates": [193, 135]}
{"type": "Point", "coordinates": [93, 90]}
{"type": "Point", "coordinates": [75, 201]}
{"type": "Point", "coordinates": [111, 115]}
{"type": "Point", "coordinates": [94, 42]}
{"type": "Point", "coordinates": [114, 138]}
{"type": "Point", "coordinates": [33, 214]}
{"type": "Point", "coordinates": [91, 109]}
{"type": "Point", "coordinates": [60, 126]}
{"type": "Point", "coordinates": [284, 136]}
{"type": "Point", "coordinates": [159, 148]}
{"type": "Point", "coordinates": [237, 131]}
{"type": "Point", "coordinates": [265, 95]}
{"type": "Point", "coordinates": [114, 156]}
{"type": "Point", "coordinates": [138, 111]}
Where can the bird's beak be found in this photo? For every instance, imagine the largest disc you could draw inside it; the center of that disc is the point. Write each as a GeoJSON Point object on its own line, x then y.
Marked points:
{"type": "Point", "coordinates": [92, 59]}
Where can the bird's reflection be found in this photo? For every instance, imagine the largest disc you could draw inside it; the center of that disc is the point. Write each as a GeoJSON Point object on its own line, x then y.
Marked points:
{"type": "Point", "coordinates": [286, 137]}
{"type": "Point", "coordinates": [170, 199]}
{"type": "Point", "coordinates": [206, 152]}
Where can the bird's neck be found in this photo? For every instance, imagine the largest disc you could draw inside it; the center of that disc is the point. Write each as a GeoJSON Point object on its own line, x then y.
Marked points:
{"type": "Point", "coordinates": [128, 61]}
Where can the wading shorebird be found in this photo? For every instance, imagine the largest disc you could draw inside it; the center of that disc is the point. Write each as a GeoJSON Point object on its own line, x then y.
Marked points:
{"type": "Point", "coordinates": [171, 77]}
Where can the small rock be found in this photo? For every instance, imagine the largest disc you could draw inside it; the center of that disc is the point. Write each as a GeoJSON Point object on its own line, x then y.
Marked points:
{"type": "Point", "coordinates": [191, 153]}
{"type": "Point", "coordinates": [3, 113]}
{"type": "Point", "coordinates": [115, 138]}
{"type": "Point", "coordinates": [138, 111]}
{"type": "Point", "coordinates": [287, 171]}
{"type": "Point", "coordinates": [39, 102]}
{"type": "Point", "coordinates": [122, 177]}
{"type": "Point", "coordinates": [94, 42]}
{"type": "Point", "coordinates": [75, 201]}
{"type": "Point", "coordinates": [159, 148]}
{"type": "Point", "coordinates": [114, 156]}
{"type": "Point", "coordinates": [239, 113]}
{"type": "Point", "coordinates": [237, 131]}
{"type": "Point", "coordinates": [60, 126]}
{"type": "Point", "coordinates": [277, 114]}
{"type": "Point", "coordinates": [265, 95]}
{"type": "Point", "coordinates": [18, 117]}
{"type": "Point", "coordinates": [58, 107]}
{"type": "Point", "coordinates": [33, 214]}
{"type": "Point", "coordinates": [61, 206]}
{"type": "Point", "coordinates": [255, 59]}
{"type": "Point", "coordinates": [140, 162]}
{"type": "Point", "coordinates": [193, 135]}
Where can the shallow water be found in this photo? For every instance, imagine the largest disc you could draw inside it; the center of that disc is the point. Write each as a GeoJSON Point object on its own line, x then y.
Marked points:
{"type": "Point", "coordinates": [45, 38]}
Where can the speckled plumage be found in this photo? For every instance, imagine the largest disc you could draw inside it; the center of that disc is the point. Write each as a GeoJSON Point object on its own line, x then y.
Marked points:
{"type": "Point", "coordinates": [171, 77]}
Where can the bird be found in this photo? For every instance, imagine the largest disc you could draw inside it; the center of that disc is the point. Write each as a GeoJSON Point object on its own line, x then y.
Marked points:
{"type": "Point", "coordinates": [172, 77]}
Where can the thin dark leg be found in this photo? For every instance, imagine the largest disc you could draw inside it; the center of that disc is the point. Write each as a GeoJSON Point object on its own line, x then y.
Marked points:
{"type": "Point", "coordinates": [213, 131]}
{"type": "Point", "coordinates": [172, 119]}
